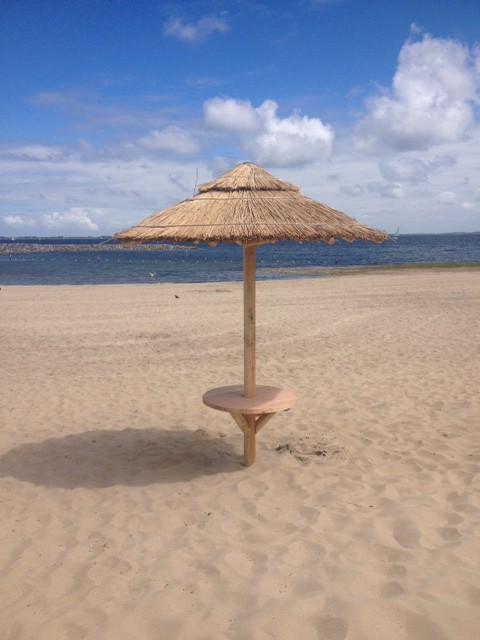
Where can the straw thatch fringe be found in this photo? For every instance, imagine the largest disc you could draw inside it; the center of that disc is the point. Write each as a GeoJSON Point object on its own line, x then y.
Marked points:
{"type": "Point", "coordinates": [248, 205]}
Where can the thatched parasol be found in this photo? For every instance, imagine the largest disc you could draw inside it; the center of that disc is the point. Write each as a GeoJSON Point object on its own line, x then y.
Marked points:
{"type": "Point", "coordinates": [248, 206]}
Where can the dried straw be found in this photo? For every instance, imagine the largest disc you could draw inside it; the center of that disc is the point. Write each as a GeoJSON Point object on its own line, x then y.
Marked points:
{"type": "Point", "coordinates": [248, 205]}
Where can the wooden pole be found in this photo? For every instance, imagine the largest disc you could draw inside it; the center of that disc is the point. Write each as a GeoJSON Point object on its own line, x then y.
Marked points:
{"type": "Point", "coordinates": [249, 442]}
{"type": "Point", "coordinates": [249, 366]}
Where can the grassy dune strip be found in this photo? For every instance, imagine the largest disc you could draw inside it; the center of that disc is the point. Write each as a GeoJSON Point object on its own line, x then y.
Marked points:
{"type": "Point", "coordinates": [339, 271]}
{"type": "Point", "coordinates": [407, 266]}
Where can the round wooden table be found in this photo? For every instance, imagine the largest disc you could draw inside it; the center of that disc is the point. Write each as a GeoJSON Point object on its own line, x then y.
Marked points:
{"type": "Point", "coordinates": [250, 414]}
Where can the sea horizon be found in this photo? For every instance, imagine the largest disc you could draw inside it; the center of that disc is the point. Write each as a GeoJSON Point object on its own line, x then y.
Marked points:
{"type": "Point", "coordinates": [103, 237]}
{"type": "Point", "coordinates": [57, 259]}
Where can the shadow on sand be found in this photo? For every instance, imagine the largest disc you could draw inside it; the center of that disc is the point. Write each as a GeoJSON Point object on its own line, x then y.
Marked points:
{"type": "Point", "coordinates": [132, 457]}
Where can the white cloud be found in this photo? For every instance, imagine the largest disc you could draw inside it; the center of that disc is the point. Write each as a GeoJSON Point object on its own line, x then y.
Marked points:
{"type": "Point", "coordinates": [289, 141]}
{"type": "Point", "coordinates": [388, 190]}
{"type": "Point", "coordinates": [410, 169]}
{"type": "Point", "coordinates": [446, 197]}
{"type": "Point", "coordinates": [415, 29]}
{"type": "Point", "coordinates": [37, 152]}
{"type": "Point", "coordinates": [431, 102]}
{"type": "Point", "coordinates": [352, 190]}
{"type": "Point", "coordinates": [18, 221]}
{"type": "Point", "coordinates": [270, 140]}
{"type": "Point", "coordinates": [171, 138]}
{"type": "Point", "coordinates": [195, 31]}
{"type": "Point", "coordinates": [74, 218]}
{"type": "Point", "coordinates": [231, 115]}
{"type": "Point", "coordinates": [99, 194]}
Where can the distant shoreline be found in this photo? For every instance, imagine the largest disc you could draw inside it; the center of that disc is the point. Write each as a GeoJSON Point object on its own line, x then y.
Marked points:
{"type": "Point", "coordinates": [377, 268]}
{"type": "Point", "coordinates": [20, 248]}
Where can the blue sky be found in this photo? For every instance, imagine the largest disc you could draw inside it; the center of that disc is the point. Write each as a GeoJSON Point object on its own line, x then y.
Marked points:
{"type": "Point", "coordinates": [113, 110]}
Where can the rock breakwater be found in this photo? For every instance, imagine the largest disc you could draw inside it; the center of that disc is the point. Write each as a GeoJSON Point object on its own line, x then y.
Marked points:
{"type": "Point", "coordinates": [16, 248]}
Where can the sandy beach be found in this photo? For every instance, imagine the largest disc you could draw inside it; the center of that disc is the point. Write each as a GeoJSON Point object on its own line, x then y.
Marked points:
{"type": "Point", "coordinates": [127, 512]}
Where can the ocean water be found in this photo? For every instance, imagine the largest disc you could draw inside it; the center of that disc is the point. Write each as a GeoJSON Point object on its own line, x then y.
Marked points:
{"type": "Point", "coordinates": [200, 263]}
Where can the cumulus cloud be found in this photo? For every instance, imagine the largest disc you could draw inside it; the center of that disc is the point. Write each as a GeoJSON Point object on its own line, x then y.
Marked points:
{"type": "Point", "coordinates": [231, 115]}
{"type": "Point", "coordinates": [171, 138]}
{"type": "Point", "coordinates": [413, 170]}
{"type": "Point", "coordinates": [18, 221]}
{"type": "Point", "coordinates": [281, 142]}
{"type": "Point", "coordinates": [74, 218]}
{"type": "Point", "coordinates": [434, 89]}
{"type": "Point", "coordinates": [290, 141]}
{"type": "Point", "coordinates": [195, 31]}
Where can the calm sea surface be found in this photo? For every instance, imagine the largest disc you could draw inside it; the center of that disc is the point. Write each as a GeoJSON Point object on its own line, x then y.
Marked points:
{"type": "Point", "coordinates": [200, 263]}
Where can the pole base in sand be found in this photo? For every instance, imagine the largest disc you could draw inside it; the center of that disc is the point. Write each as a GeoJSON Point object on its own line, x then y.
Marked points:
{"type": "Point", "coordinates": [250, 414]}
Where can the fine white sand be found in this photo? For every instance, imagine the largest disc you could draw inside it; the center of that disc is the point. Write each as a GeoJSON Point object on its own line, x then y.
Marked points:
{"type": "Point", "coordinates": [127, 512]}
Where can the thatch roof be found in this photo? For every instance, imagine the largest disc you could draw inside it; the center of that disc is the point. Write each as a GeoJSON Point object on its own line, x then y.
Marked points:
{"type": "Point", "coordinates": [248, 205]}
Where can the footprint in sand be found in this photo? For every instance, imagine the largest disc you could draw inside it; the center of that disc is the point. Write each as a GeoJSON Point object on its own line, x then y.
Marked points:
{"type": "Point", "coordinates": [396, 571]}
{"type": "Point", "coordinates": [73, 631]}
{"type": "Point", "coordinates": [406, 534]}
{"type": "Point", "coordinates": [449, 534]}
{"type": "Point", "coordinates": [389, 589]}
{"type": "Point", "coordinates": [454, 497]}
{"type": "Point", "coordinates": [331, 628]}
